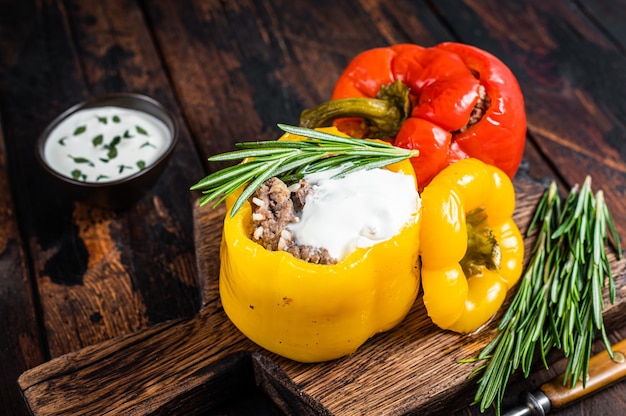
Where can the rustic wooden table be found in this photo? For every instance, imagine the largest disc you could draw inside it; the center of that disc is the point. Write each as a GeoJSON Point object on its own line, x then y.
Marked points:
{"type": "Point", "coordinates": [73, 277]}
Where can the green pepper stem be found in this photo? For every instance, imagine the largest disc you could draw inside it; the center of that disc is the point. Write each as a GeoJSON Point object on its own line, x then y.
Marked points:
{"type": "Point", "coordinates": [374, 109]}
{"type": "Point", "coordinates": [383, 115]}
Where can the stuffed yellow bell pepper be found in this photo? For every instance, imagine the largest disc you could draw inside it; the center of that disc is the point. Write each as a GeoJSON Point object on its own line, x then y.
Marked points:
{"type": "Point", "coordinates": [316, 312]}
{"type": "Point", "coordinates": [471, 249]}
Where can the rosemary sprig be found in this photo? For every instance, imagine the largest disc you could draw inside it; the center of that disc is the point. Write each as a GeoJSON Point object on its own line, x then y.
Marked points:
{"type": "Point", "coordinates": [559, 301]}
{"type": "Point", "coordinates": [291, 160]}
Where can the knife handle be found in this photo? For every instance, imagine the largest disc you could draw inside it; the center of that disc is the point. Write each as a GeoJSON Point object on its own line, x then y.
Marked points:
{"type": "Point", "coordinates": [603, 371]}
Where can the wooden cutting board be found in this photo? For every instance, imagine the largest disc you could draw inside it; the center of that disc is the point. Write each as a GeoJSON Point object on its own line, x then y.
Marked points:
{"type": "Point", "coordinates": [203, 364]}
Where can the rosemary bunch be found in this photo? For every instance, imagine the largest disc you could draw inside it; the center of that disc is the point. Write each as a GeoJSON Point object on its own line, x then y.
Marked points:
{"type": "Point", "coordinates": [559, 301]}
{"type": "Point", "coordinates": [291, 160]}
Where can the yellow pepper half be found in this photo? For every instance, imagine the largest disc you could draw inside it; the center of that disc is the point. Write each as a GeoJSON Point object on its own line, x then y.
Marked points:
{"type": "Point", "coordinates": [471, 249]}
{"type": "Point", "coordinates": [311, 312]}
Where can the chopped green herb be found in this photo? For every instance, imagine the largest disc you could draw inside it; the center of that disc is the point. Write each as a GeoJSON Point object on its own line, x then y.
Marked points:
{"type": "Point", "coordinates": [122, 167]}
{"type": "Point", "coordinates": [141, 131]}
{"type": "Point", "coordinates": [103, 160]}
{"type": "Point", "coordinates": [111, 147]}
{"type": "Point", "coordinates": [147, 144]}
{"type": "Point", "coordinates": [101, 177]}
{"type": "Point", "coordinates": [82, 160]}
{"type": "Point", "coordinates": [62, 140]}
{"type": "Point", "coordinates": [141, 164]}
{"type": "Point", "coordinates": [78, 175]}
{"type": "Point", "coordinates": [112, 154]}
{"type": "Point", "coordinates": [116, 119]}
{"type": "Point", "coordinates": [80, 130]}
{"type": "Point", "coordinates": [102, 120]}
{"type": "Point", "coordinates": [127, 135]}
{"type": "Point", "coordinates": [97, 141]}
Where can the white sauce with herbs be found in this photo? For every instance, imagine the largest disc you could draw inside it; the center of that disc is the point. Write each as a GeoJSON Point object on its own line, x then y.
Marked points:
{"type": "Point", "coordinates": [358, 210]}
{"type": "Point", "coordinates": [105, 144]}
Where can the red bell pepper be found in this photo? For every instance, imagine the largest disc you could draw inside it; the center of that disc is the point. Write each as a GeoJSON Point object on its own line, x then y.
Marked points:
{"type": "Point", "coordinates": [451, 101]}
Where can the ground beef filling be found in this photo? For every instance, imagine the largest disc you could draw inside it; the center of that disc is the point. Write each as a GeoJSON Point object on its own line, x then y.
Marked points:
{"type": "Point", "coordinates": [482, 105]}
{"type": "Point", "coordinates": [274, 206]}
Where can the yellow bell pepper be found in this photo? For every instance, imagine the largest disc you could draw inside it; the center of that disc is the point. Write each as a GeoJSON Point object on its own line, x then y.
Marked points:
{"type": "Point", "coordinates": [311, 312]}
{"type": "Point", "coordinates": [471, 249]}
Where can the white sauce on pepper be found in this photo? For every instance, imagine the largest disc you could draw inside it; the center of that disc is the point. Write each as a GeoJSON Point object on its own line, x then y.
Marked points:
{"type": "Point", "coordinates": [105, 144]}
{"type": "Point", "coordinates": [358, 210]}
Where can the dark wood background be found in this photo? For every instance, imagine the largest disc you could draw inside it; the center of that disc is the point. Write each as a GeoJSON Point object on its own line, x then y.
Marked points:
{"type": "Point", "coordinates": [72, 276]}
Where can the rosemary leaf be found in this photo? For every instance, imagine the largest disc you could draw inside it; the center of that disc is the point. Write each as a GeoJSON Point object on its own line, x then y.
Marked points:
{"type": "Point", "coordinates": [374, 163]}
{"type": "Point", "coordinates": [225, 188]}
{"type": "Point", "coordinates": [224, 175]}
{"type": "Point", "coordinates": [332, 138]}
{"type": "Point", "coordinates": [296, 167]}
{"type": "Point", "coordinates": [291, 160]}
{"type": "Point", "coordinates": [245, 154]}
{"type": "Point", "coordinates": [255, 184]}
{"type": "Point", "coordinates": [559, 302]}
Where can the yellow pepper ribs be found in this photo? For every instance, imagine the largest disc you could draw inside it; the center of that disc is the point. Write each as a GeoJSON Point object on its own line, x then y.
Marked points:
{"type": "Point", "coordinates": [471, 249]}
{"type": "Point", "coordinates": [313, 312]}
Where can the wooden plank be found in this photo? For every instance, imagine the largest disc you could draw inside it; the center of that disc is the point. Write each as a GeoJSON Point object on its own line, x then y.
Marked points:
{"type": "Point", "coordinates": [411, 367]}
{"type": "Point", "coordinates": [23, 349]}
{"type": "Point", "coordinates": [240, 70]}
{"type": "Point", "coordinates": [99, 274]}
{"type": "Point", "coordinates": [606, 18]}
{"type": "Point", "coordinates": [21, 344]}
